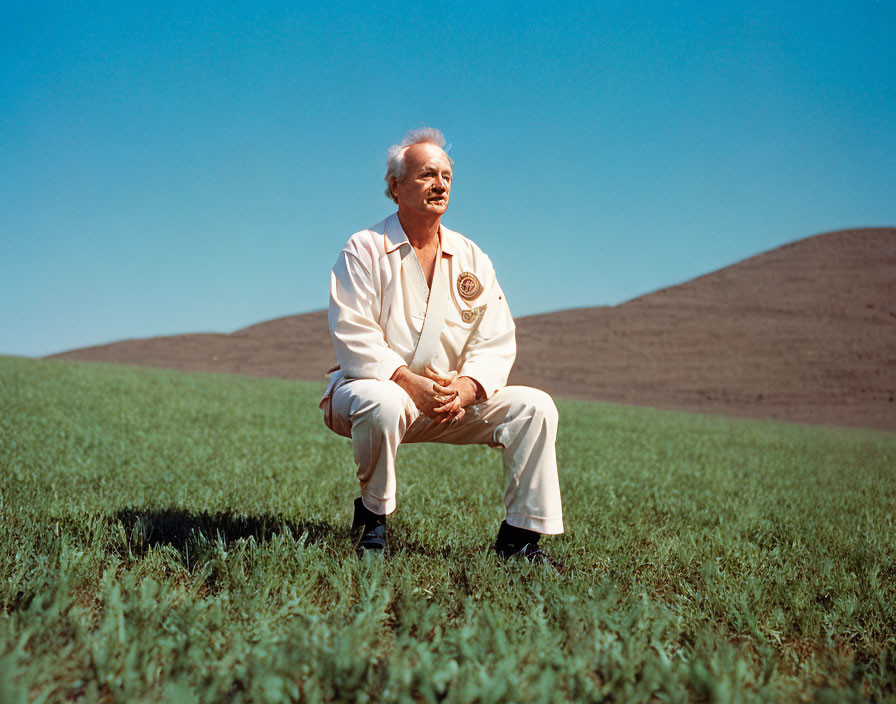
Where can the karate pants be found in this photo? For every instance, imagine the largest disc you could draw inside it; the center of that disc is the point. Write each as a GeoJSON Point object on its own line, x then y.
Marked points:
{"type": "Point", "coordinates": [379, 415]}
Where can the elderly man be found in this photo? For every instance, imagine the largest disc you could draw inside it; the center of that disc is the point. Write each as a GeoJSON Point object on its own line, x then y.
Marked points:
{"type": "Point", "coordinates": [425, 342]}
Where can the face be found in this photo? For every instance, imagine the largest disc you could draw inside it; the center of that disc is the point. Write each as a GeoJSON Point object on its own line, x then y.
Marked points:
{"type": "Point", "coordinates": [427, 180]}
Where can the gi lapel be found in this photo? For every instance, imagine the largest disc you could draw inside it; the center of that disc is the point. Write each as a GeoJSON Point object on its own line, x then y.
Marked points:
{"type": "Point", "coordinates": [436, 309]}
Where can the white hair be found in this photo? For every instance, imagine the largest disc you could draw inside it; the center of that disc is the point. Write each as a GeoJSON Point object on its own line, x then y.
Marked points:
{"type": "Point", "coordinates": [395, 156]}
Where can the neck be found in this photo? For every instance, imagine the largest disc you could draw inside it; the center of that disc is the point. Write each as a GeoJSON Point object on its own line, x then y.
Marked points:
{"type": "Point", "coordinates": [421, 229]}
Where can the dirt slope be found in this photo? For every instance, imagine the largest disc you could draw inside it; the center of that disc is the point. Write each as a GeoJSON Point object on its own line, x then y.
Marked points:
{"type": "Point", "coordinates": [805, 332]}
{"type": "Point", "coordinates": [297, 346]}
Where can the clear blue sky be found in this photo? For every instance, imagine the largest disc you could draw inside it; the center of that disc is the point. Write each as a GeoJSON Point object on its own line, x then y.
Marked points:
{"type": "Point", "coordinates": [188, 167]}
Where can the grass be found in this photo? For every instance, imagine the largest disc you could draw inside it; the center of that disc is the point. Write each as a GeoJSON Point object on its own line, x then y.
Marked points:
{"type": "Point", "coordinates": [183, 538]}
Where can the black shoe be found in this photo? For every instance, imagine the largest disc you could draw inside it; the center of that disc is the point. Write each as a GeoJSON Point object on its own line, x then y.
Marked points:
{"type": "Point", "coordinates": [368, 529]}
{"type": "Point", "coordinates": [520, 543]}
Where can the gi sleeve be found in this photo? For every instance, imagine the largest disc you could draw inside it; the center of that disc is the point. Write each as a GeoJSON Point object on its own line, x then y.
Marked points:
{"type": "Point", "coordinates": [491, 349]}
{"type": "Point", "coordinates": [358, 339]}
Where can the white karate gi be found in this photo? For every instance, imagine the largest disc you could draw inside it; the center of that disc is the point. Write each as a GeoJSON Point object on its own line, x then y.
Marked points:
{"type": "Point", "coordinates": [378, 302]}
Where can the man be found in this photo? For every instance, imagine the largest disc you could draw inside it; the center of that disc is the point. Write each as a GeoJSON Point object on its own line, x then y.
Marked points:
{"type": "Point", "coordinates": [425, 342]}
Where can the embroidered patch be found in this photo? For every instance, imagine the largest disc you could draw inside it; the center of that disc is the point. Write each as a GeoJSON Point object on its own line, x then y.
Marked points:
{"type": "Point", "coordinates": [468, 316]}
{"type": "Point", "coordinates": [468, 286]}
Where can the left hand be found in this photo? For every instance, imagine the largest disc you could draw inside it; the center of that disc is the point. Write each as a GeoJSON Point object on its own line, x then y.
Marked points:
{"type": "Point", "coordinates": [454, 393]}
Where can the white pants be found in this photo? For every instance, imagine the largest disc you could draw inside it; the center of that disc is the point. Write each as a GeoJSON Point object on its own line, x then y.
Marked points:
{"type": "Point", "coordinates": [379, 415]}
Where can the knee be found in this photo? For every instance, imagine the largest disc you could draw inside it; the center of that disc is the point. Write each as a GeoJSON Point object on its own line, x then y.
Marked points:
{"type": "Point", "coordinates": [544, 405]}
{"type": "Point", "coordinates": [386, 415]}
{"type": "Point", "coordinates": [536, 403]}
{"type": "Point", "coordinates": [383, 412]}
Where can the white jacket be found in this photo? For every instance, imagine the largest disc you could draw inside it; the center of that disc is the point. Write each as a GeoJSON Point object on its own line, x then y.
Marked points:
{"type": "Point", "coordinates": [378, 298]}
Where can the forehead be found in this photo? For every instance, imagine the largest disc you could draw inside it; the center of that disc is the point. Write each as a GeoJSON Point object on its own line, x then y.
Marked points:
{"type": "Point", "coordinates": [419, 155]}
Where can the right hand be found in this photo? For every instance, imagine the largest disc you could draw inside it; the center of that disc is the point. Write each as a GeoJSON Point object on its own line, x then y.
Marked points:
{"type": "Point", "coordinates": [426, 393]}
{"type": "Point", "coordinates": [457, 392]}
{"type": "Point", "coordinates": [421, 390]}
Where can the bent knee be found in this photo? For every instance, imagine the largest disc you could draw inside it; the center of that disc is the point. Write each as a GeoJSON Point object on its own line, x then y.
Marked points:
{"type": "Point", "coordinates": [536, 400]}
{"type": "Point", "coordinates": [386, 415]}
{"type": "Point", "coordinates": [382, 411]}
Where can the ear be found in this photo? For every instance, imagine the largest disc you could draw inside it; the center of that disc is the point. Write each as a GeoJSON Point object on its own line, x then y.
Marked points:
{"type": "Point", "coordinates": [393, 182]}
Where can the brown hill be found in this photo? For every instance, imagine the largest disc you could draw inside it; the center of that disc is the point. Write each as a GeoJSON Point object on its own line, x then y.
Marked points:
{"type": "Point", "coordinates": [805, 332]}
{"type": "Point", "coordinates": [294, 347]}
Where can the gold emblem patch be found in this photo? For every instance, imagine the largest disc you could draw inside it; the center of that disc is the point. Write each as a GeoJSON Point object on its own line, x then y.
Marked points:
{"type": "Point", "coordinates": [468, 286]}
{"type": "Point", "coordinates": [468, 316]}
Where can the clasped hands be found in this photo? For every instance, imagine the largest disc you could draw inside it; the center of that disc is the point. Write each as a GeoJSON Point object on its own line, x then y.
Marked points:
{"type": "Point", "coordinates": [441, 398]}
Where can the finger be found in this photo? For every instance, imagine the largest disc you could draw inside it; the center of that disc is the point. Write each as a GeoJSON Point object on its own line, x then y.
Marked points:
{"type": "Point", "coordinates": [435, 376]}
{"type": "Point", "coordinates": [453, 417]}
{"type": "Point", "coordinates": [446, 378]}
{"type": "Point", "coordinates": [444, 390]}
{"type": "Point", "coordinates": [445, 400]}
{"type": "Point", "coordinates": [441, 394]}
{"type": "Point", "coordinates": [450, 407]}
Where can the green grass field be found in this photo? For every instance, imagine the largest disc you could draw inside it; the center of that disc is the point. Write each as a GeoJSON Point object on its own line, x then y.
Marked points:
{"type": "Point", "coordinates": [184, 538]}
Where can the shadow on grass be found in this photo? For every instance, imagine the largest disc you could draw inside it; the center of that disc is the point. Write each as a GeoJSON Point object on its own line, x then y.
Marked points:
{"type": "Point", "coordinates": [182, 530]}
{"type": "Point", "coordinates": [194, 535]}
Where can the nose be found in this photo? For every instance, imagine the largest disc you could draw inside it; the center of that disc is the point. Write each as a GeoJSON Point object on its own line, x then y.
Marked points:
{"type": "Point", "coordinates": [441, 182]}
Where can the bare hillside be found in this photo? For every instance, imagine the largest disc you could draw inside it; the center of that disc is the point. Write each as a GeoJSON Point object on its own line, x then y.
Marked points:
{"type": "Point", "coordinates": [294, 347]}
{"type": "Point", "coordinates": [805, 332]}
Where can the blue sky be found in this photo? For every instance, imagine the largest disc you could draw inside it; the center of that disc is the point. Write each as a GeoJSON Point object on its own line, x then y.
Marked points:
{"type": "Point", "coordinates": [169, 169]}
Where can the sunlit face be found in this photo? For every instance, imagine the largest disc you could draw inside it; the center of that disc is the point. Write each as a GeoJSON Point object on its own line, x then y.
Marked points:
{"type": "Point", "coordinates": [427, 180]}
